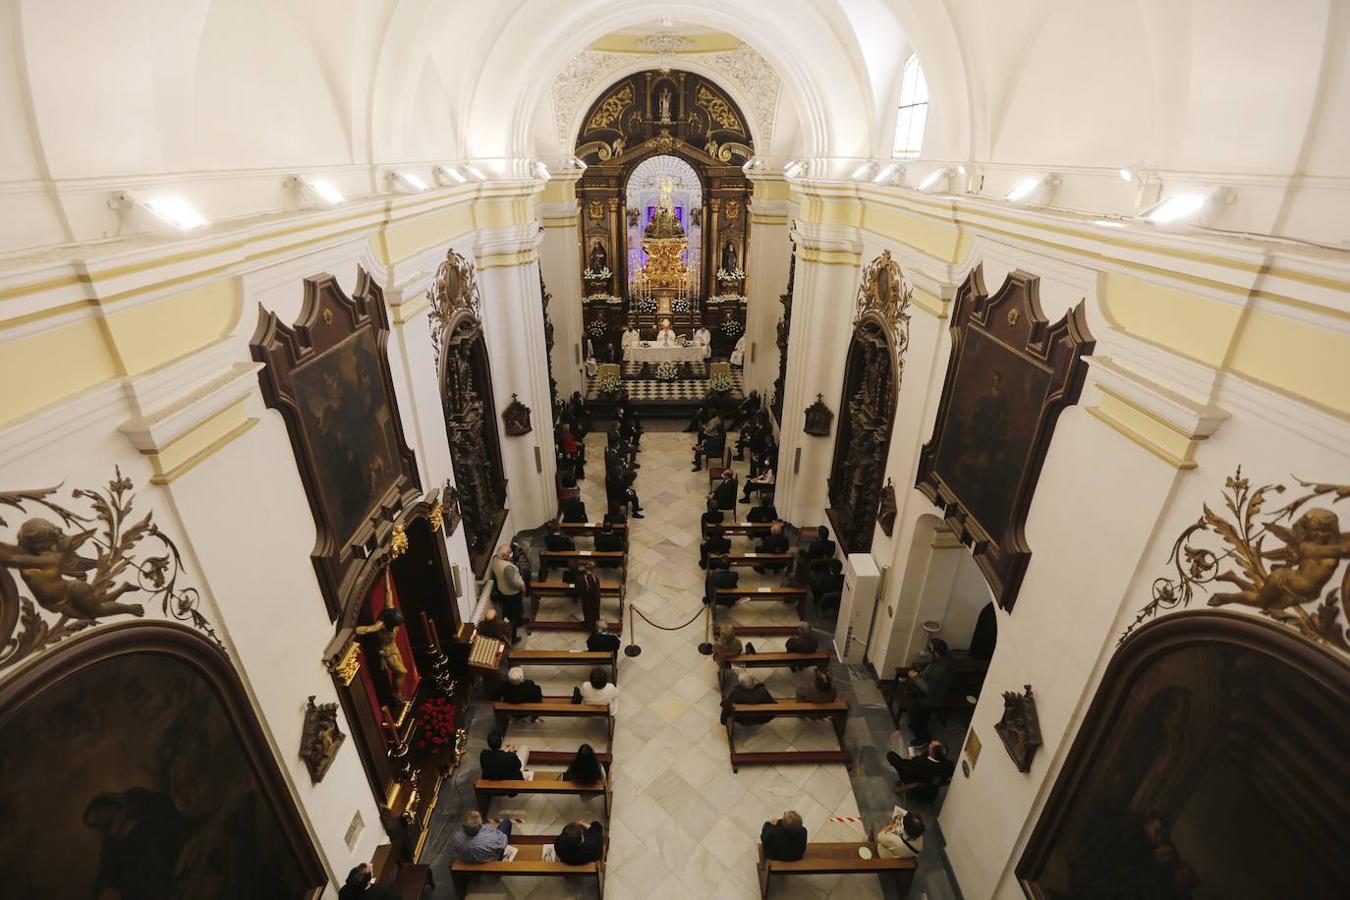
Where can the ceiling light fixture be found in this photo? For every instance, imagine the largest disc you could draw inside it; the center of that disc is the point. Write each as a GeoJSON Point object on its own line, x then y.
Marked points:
{"type": "Point", "coordinates": [864, 171]}
{"type": "Point", "coordinates": [319, 190]}
{"type": "Point", "coordinates": [474, 172]}
{"type": "Point", "coordinates": [891, 174]}
{"type": "Point", "coordinates": [1177, 208]}
{"type": "Point", "coordinates": [170, 209]}
{"type": "Point", "coordinates": [448, 176]}
{"type": "Point", "coordinates": [1034, 190]}
{"type": "Point", "coordinates": [794, 169]}
{"type": "Point", "coordinates": [406, 181]}
{"type": "Point", "coordinates": [1109, 223]}
{"type": "Point", "coordinates": [936, 180]}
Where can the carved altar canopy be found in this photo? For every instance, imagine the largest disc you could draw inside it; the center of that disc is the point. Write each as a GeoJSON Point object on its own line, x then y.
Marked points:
{"type": "Point", "coordinates": [328, 375]}
{"type": "Point", "coordinates": [1009, 375]}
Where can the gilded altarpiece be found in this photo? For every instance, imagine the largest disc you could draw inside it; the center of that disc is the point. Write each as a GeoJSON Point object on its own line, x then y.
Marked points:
{"type": "Point", "coordinates": [872, 376]}
{"type": "Point", "coordinates": [674, 113]}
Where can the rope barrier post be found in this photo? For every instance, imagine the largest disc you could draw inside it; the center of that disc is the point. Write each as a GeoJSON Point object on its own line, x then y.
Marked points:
{"type": "Point", "coordinates": [706, 648]}
{"type": "Point", "coordinates": [632, 649]}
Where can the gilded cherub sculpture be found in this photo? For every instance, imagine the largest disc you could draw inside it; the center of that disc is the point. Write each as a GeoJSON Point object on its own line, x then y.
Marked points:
{"type": "Point", "coordinates": [48, 561]}
{"type": "Point", "coordinates": [1313, 549]}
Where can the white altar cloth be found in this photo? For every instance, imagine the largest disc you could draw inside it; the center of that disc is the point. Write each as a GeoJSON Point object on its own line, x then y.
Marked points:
{"type": "Point", "coordinates": [651, 352]}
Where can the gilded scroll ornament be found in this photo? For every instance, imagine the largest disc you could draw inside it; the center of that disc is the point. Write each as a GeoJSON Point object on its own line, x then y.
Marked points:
{"type": "Point", "coordinates": [885, 292]}
{"type": "Point", "coordinates": [718, 109]}
{"type": "Point", "coordinates": [398, 542]}
{"type": "Point", "coordinates": [611, 108]}
{"type": "Point", "coordinates": [1292, 588]}
{"type": "Point", "coordinates": [454, 288]}
{"type": "Point", "coordinates": [77, 591]}
{"type": "Point", "coordinates": [347, 663]}
{"type": "Point", "coordinates": [436, 518]}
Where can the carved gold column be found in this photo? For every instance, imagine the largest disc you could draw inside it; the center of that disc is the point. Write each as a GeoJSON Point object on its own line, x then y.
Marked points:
{"type": "Point", "coordinates": [711, 252]}
{"type": "Point", "coordinates": [618, 252]}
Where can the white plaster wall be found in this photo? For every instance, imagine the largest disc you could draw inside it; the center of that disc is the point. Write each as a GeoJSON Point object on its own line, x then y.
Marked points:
{"type": "Point", "coordinates": [560, 261]}
{"type": "Point", "coordinates": [767, 272]}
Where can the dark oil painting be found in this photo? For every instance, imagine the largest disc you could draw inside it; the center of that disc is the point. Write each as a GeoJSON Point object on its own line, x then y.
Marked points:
{"type": "Point", "coordinates": [125, 780]}
{"type": "Point", "coordinates": [1219, 779]}
{"type": "Point", "coordinates": [347, 420]}
{"type": "Point", "coordinates": [986, 446]}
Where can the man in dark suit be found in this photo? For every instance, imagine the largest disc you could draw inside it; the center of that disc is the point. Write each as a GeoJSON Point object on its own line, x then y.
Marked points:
{"type": "Point", "coordinates": [804, 641]}
{"type": "Point", "coordinates": [713, 515]}
{"type": "Point", "coordinates": [719, 576]}
{"type": "Point", "coordinates": [586, 589]}
{"type": "Point", "coordinates": [826, 582]}
{"type": "Point", "coordinates": [573, 510]}
{"type": "Point", "coordinates": [554, 539]}
{"type": "Point", "coordinates": [765, 512]}
{"type": "Point", "coordinates": [500, 763]}
{"type": "Point", "coordinates": [785, 839]}
{"type": "Point", "coordinates": [929, 687]}
{"type": "Point", "coordinates": [773, 542]}
{"type": "Point", "coordinates": [519, 689]}
{"type": "Point", "coordinates": [607, 540]}
{"type": "Point", "coordinates": [724, 494]}
{"type": "Point", "coordinates": [820, 547]}
{"type": "Point", "coordinates": [712, 442]}
{"type": "Point", "coordinates": [749, 406]}
{"type": "Point", "coordinates": [930, 771]}
{"type": "Point", "coordinates": [716, 543]}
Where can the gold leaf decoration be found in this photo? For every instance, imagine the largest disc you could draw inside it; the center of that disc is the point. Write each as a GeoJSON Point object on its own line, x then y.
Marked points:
{"type": "Point", "coordinates": [720, 111]}
{"type": "Point", "coordinates": [611, 108]}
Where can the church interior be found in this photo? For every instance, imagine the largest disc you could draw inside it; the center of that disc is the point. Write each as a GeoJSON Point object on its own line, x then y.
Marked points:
{"type": "Point", "coordinates": [709, 448]}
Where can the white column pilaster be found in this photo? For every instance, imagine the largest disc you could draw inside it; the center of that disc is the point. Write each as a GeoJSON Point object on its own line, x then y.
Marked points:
{"type": "Point", "coordinates": [767, 271]}
{"type": "Point", "coordinates": [508, 278]}
{"type": "Point", "coordinates": [828, 258]}
{"type": "Point", "coordinates": [560, 261]}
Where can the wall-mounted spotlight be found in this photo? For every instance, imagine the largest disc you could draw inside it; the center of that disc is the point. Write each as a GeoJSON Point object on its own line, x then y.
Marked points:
{"type": "Point", "coordinates": [891, 173]}
{"type": "Point", "coordinates": [448, 176]}
{"type": "Point", "coordinates": [936, 181]}
{"type": "Point", "coordinates": [1189, 208]}
{"type": "Point", "coordinates": [541, 170]}
{"type": "Point", "coordinates": [794, 169]}
{"type": "Point", "coordinates": [406, 182]}
{"type": "Point", "coordinates": [168, 210]}
{"type": "Point", "coordinates": [1034, 190]}
{"type": "Point", "coordinates": [864, 171]}
{"type": "Point", "coordinates": [316, 190]}
{"type": "Point", "coordinates": [474, 172]}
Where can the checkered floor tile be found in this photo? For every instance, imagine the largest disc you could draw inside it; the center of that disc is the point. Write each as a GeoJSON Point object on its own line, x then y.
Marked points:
{"type": "Point", "coordinates": [681, 389]}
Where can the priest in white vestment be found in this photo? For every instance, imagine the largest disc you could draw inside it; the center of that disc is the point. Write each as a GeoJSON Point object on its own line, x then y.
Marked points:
{"type": "Point", "coordinates": [702, 336]}
{"type": "Point", "coordinates": [630, 337]}
{"type": "Point", "coordinates": [738, 353]}
{"type": "Point", "coordinates": [666, 336]}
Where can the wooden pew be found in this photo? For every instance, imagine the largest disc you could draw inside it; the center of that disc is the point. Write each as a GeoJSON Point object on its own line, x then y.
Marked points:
{"type": "Point", "coordinates": [836, 712]}
{"type": "Point", "coordinates": [762, 630]}
{"type": "Point", "coordinates": [750, 529]}
{"type": "Point", "coordinates": [838, 858]}
{"type": "Point", "coordinates": [550, 783]}
{"type": "Point", "coordinates": [568, 658]}
{"type": "Point", "coordinates": [565, 757]}
{"type": "Point", "coordinates": [612, 586]}
{"type": "Point", "coordinates": [528, 862]}
{"type": "Point", "coordinates": [564, 557]}
{"type": "Point", "coordinates": [752, 559]}
{"type": "Point", "coordinates": [774, 660]}
{"type": "Point", "coordinates": [410, 880]}
{"type": "Point", "coordinates": [591, 528]}
{"type": "Point", "coordinates": [766, 592]}
{"type": "Point", "coordinates": [554, 707]}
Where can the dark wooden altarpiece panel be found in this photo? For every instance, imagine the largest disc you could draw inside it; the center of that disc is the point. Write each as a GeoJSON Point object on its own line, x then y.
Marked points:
{"type": "Point", "coordinates": [1211, 764]}
{"type": "Point", "coordinates": [328, 375]}
{"type": "Point", "coordinates": [872, 377]}
{"type": "Point", "coordinates": [1010, 374]}
{"type": "Point", "coordinates": [134, 767]}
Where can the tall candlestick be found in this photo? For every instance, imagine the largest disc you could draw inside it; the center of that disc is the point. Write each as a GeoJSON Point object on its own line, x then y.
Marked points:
{"type": "Point", "coordinates": [432, 637]}
{"type": "Point", "coordinates": [389, 725]}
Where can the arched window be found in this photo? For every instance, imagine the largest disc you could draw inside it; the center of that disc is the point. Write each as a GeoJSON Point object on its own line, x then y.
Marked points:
{"type": "Point", "coordinates": [913, 109]}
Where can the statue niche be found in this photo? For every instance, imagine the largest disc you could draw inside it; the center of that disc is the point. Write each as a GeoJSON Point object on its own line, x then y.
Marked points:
{"type": "Point", "coordinates": [466, 397]}
{"type": "Point", "coordinates": [867, 408]}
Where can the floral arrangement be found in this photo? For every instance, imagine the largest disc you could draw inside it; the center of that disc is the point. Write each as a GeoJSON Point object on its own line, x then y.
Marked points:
{"type": "Point", "coordinates": [720, 383]}
{"type": "Point", "coordinates": [666, 371]}
{"type": "Point", "coordinates": [597, 328]}
{"type": "Point", "coordinates": [681, 305]}
{"type": "Point", "coordinates": [732, 328]}
{"type": "Point", "coordinates": [609, 384]}
{"type": "Point", "coordinates": [601, 298]}
{"type": "Point", "coordinates": [437, 718]}
{"type": "Point", "coordinates": [645, 304]}
{"type": "Point", "coordinates": [600, 274]}
{"type": "Point", "coordinates": [727, 298]}
{"type": "Point", "coordinates": [730, 275]}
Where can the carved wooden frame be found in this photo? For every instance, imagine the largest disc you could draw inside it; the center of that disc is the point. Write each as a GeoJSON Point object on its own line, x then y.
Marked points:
{"type": "Point", "coordinates": [195, 650]}
{"type": "Point", "coordinates": [1012, 318]}
{"type": "Point", "coordinates": [328, 318]}
{"type": "Point", "coordinates": [1131, 661]}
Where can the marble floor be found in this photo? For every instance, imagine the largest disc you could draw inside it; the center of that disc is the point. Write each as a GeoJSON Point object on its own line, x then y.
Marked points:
{"type": "Point", "coordinates": [682, 824]}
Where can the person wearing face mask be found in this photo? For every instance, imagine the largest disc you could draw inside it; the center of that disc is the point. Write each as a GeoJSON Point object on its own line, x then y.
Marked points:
{"type": "Point", "coordinates": [930, 685]}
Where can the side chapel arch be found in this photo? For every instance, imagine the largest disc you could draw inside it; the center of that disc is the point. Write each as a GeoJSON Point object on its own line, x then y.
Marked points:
{"type": "Point", "coordinates": [467, 402]}
{"type": "Point", "coordinates": [875, 367]}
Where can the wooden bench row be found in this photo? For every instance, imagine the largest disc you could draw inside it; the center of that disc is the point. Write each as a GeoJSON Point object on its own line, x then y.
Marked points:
{"type": "Point", "coordinates": [757, 713]}
{"type": "Point", "coordinates": [752, 559]}
{"type": "Point", "coordinates": [555, 707]}
{"type": "Point", "coordinates": [768, 592]}
{"type": "Point", "coordinates": [589, 659]}
{"type": "Point", "coordinates": [529, 862]}
{"type": "Point", "coordinates": [836, 858]}
{"type": "Point", "coordinates": [778, 660]}
{"type": "Point", "coordinates": [550, 783]}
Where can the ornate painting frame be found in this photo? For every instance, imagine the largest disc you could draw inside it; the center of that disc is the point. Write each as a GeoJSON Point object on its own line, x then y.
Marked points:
{"type": "Point", "coordinates": [987, 434]}
{"type": "Point", "coordinates": [340, 343]}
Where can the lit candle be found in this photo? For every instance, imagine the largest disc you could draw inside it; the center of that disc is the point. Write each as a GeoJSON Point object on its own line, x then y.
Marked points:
{"type": "Point", "coordinates": [389, 725]}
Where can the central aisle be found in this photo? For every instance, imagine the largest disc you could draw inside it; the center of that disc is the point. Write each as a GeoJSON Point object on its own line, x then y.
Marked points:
{"type": "Point", "coordinates": [683, 825]}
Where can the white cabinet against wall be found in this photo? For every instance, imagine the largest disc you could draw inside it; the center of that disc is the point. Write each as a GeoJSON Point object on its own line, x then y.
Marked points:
{"type": "Point", "coordinates": [861, 581]}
